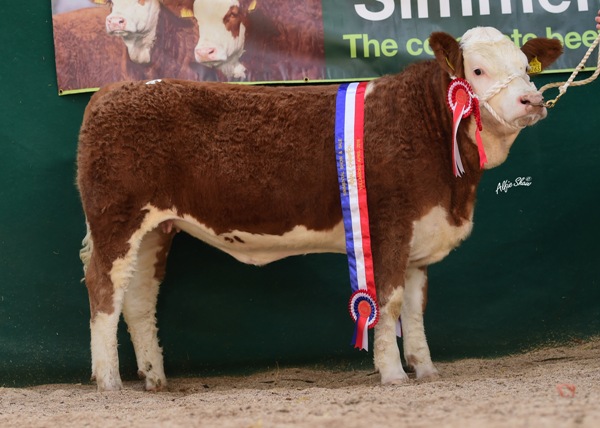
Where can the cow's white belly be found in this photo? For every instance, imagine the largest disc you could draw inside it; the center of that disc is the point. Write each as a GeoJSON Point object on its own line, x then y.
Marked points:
{"type": "Point", "coordinates": [250, 248]}
{"type": "Point", "coordinates": [434, 237]}
{"type": "Point", "coordinates": [260, 249]}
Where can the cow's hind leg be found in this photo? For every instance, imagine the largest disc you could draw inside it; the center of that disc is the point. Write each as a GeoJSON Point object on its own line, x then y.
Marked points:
{"type": "Point", "coordinates": [139, 307]}
{"type": "Point", "coordinates": [416, 351]}
{"type": "Point", "coordinates": [105, 306]}
{"type": "Point", "coordinates": [386, 352]}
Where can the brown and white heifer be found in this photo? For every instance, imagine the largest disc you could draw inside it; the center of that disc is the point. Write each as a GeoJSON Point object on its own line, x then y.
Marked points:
{"type": "Point", "coordinates": [261, 40]}
{"type": "Point", "coordinates": [252, 171]}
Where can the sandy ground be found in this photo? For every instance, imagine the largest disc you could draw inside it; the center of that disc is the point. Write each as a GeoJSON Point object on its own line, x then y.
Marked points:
{"type": "Point", "coordinates": [552, 387]}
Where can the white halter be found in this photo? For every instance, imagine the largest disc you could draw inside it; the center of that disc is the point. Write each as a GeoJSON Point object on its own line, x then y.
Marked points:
{"type": "Point", "coordinates": [495, 89]}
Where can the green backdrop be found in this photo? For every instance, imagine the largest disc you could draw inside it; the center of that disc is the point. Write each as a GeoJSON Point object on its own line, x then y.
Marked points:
{"type": "Point", "coordinates": [528, 275]}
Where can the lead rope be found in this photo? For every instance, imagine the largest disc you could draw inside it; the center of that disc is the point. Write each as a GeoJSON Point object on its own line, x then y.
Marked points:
{"type": "Point", "coordinates": [562, 86]}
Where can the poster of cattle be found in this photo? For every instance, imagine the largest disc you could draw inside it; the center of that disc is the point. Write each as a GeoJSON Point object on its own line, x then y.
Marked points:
{"type": "Point", "coordinates": [258, 41]}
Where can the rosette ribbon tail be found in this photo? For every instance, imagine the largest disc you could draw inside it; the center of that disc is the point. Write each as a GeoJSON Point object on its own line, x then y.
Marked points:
{"type": "Point", "coordinates": [361, 337]}
{"type": "Point", "coordinates": [480, 148]}
{"type": "Point", "coordinates": [457, 165]}
{"type": "Point", "coordinates": [482, 155]}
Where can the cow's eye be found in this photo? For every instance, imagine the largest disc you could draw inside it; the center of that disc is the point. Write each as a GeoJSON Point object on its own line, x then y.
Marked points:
{"type": "Point", "coordinates": [478, 72]}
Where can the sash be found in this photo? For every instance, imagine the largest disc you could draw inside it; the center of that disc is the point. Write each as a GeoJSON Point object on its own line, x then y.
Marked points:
{"type": "Point", "coordinates": [349, 125]}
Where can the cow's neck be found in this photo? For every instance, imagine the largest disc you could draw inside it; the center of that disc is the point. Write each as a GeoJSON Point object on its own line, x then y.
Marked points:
{"type": "Point", "coordinates": [169, 23]}
{"type": "Point", "coordinates": [497, 141]}
{"type": "Point", "coordinates": [414, 126]}
{"type": "Point", "coordinates": [163, 44]}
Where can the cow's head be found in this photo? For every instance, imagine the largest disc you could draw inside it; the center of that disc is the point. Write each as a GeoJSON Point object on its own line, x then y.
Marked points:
{"type": "Point", "coordinates": [135, 22]}
{"type": "Point", "coordinates": [222, 32]}
{"type": "Point", "coordinates": [498, 72]}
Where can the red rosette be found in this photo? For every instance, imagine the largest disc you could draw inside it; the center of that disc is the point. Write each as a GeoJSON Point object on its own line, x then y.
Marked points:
{"type": "Point", "coordinates": [462, 102]}
{"type": "Point", "coordinates": [364, 303]}
{"type": "Point", "coordinates": [460, 92]}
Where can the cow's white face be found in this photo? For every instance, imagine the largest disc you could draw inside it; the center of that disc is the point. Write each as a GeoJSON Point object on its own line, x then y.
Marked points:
{"type": "Point", "coordinates": [222, 35]}
{"type": "Point", "coordinates": [490, 58]}
{"type": "Point", "coordinates": [135, 21]}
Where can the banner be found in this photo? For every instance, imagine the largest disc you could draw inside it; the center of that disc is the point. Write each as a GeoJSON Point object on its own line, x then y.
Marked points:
{"type": "Point", "coordinates": [257, 41]}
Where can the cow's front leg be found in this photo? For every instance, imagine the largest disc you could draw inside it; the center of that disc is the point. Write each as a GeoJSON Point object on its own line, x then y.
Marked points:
{"type": "Point", "coordinates": [416, 351]}
{"type": "Point", "coordinates": [390, 244]}
{"type": "Point", "coordinates": [386, 352]}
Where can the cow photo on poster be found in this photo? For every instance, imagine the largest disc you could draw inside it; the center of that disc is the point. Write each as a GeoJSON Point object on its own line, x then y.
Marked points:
{"type": "Point", "coordinates": [102, 41]}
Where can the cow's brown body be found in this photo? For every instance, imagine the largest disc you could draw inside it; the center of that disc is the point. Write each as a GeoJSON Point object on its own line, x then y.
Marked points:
{"type": "Point", "coordinates": [261, 159]}
{"type": "Point", "coordinates": [251, 170]}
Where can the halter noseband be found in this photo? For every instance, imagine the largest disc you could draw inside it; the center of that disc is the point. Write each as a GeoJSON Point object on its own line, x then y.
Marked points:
{"type": "Point", "coordinates": [494, 90]}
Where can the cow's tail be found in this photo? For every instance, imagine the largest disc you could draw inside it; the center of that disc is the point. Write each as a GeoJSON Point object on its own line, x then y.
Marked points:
{"type": "Point", "coordinates": [87, 247]}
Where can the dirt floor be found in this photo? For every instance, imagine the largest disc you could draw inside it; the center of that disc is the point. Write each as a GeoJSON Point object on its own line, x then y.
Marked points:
{"type": "Point", "coordinates": [553, 387]}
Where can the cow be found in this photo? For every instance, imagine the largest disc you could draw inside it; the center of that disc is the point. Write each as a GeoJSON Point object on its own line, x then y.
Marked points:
{"type": "Point", "coordinates": [160, 36]}
{"type": "Point", "coordinates": [143, 24]}
{"type": "Point", "coordinates": [86, 57]}
{"type": "Point", "coordinates": [251, 170]}
{"type": "Point", "coordinates": [262, 40]}
{"type": "Point", "coordinates": [89, 57]}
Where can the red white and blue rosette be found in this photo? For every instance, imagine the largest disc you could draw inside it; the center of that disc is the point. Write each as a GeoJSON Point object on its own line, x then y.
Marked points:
{"type": "Point", "coordinates": [365, 313]}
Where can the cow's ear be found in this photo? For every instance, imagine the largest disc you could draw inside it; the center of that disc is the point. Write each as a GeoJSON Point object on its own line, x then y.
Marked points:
{"type": "Point", "coordinates": [542, 51]}
{"type": "Point", "coordinates": [447, 52]}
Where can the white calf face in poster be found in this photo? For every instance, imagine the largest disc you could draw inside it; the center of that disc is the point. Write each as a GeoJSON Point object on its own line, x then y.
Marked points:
{"type": "Point", "coordinates": [135, 21]}
{"type": "Point", "coordinates": [221, 35]}
{"type": "Point", "coordinates": [491, 58]}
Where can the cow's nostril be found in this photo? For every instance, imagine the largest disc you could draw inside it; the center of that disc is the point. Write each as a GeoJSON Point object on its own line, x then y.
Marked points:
{"type": "Point", "coordinates": [525, 101]}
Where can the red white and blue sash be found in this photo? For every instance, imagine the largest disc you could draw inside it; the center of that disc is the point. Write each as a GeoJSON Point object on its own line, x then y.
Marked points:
{"type": "Point", "coordinates": [349, 121]}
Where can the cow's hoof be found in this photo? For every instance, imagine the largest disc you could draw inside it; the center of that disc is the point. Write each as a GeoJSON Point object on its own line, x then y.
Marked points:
{"type": "Point", "coordinates": [394, 379]}
{"type": "Point", "coordinates": [426, 374]}
{"type": "Point", "coordinates": [155, 383]}
{"type": "Point", "coordinates": [108, 386]}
